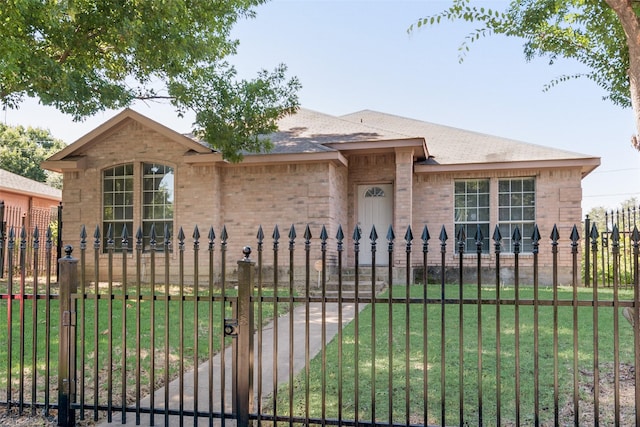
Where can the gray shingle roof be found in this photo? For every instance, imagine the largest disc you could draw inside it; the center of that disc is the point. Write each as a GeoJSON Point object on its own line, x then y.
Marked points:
{"type": "Point", "coordinates": [11, 182]}
{"type": "Point", "coordinates": [307, 131]}
{"type": "Point", "coordinates": [449, 145]}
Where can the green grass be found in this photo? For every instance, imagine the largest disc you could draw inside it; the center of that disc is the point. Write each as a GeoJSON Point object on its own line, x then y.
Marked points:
{"type": "Point", "coordinates": [392, 372]}
{"type": "Point", "coordinates": [102, 340]}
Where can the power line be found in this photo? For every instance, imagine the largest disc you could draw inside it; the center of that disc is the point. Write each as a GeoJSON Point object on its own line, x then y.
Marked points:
{"type": "Point", "coordinates": [618, 170]}
{"type": "Point", "coordinates": [612, 195]}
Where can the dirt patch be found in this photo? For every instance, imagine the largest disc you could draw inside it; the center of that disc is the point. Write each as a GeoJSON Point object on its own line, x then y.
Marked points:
{"type": "Point", "coordinates": [607, 398]}
{"type": "Point", "coordinates": [27, 419]}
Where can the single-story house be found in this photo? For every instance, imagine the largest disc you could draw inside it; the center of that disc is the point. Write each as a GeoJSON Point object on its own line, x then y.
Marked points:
{"type": "Point", "coordinates": [361, 169]}
{"type": "Point", "coordinates": [27, 202]}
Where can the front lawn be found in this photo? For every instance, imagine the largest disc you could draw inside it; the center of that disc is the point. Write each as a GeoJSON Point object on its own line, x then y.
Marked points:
{"type": "Point", "coordinates": [387, 379]}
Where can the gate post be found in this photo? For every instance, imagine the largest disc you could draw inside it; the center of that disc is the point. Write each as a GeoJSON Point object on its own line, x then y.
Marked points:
{"type": "Point", "coordinates": [68, 281]}
{"type": "Point", "coordinates": [2, 238]}
{"type": "Point", "coordinates": [243, 377]}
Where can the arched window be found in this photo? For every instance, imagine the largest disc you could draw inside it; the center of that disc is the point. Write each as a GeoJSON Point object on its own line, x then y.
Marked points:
{"type": "Point", "coordinates": [374, 192]}
{"type": "Point", "coordinates": [126, 204]}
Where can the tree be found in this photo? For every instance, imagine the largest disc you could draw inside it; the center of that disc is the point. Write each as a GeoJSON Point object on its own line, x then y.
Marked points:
{"type": "Point", "coordinates": [600, 215]}
{"type": "Point", "coordinates": [603, 35]}
{"type": "Point", "coordinates": [23, 149]}
{"type": "Point", "coordinates": [85, 56]}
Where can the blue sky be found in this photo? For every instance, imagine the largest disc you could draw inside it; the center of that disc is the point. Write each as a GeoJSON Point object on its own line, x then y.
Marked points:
{"type": "Point", "coordinates": [352, 55]}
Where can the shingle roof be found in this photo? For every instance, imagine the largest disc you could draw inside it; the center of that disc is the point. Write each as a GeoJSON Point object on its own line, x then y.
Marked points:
{"type": "Point", "coordinates": [307, 131]}
{"type": "Point", "coordinates": [18, 184]}
{"type": "Point", "coordinates": [449, 145]}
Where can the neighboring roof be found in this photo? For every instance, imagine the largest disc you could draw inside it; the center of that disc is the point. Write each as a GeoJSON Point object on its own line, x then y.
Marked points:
{"type": "Point", "coordinates": [12, 183]}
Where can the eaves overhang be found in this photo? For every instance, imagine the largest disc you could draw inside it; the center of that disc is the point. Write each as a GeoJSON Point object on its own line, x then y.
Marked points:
{"type": "Point", "coordinates": [334, 157]}
{"type": "Point", "coordinates": [71, 164]}
{"type": "Point", "coordinates": [586, 165]}
{"type": "Point", "coordinates": [55, 198]}
{"type": "Point", "coordinates": [383, 146]}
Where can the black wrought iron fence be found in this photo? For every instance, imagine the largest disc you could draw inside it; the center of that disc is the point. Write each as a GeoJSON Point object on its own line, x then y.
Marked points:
{"type": "Point", "coordinates": [13, 219]}
{"type": "Point", "coordinates": [621, 223]}
{"type": "Point", "coordinates": [353, 348]}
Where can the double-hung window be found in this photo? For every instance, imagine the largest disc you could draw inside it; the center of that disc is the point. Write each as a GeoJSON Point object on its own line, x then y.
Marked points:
{"type": "Point", "coordinates": [517, 207]}
{"type": "Point", "coordinates": [471, 211]}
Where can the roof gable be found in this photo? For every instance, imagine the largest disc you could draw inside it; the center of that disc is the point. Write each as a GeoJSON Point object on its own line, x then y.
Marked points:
{"type": "Point", "coordinates": [120, 120]}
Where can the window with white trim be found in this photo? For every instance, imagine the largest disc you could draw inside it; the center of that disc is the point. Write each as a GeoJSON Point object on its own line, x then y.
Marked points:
{"type": "Point", "coordinates": [125, 204]}
{"type": "Point", "coordinates": [471, 210]}
{"type": "Point", "coordinates": [117, 203]}
{"type": "Point", "coordinates": [517, 207]}
{"type": "Point", "coordinates": [157, 202]}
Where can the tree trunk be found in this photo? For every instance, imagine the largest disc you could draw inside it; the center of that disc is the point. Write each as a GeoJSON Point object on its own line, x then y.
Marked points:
{"type": "Point", "coordinates": [631, 26]}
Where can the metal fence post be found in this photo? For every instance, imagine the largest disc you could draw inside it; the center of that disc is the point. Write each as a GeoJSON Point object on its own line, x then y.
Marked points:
{"type": "Point", "coordinates": [68, 280]}
{"type": "Point", "coordinates": [2, 238]}
{"type": "Point", "coordinates": [243, 393]}
{"type": "Point", "coordinates": [59, 236]}
{"type": "Point", "coordinates": [587, 252]}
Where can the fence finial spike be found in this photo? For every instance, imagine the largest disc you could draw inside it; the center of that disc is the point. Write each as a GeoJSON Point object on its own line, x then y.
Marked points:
{"type": "Point", "coordinates": [461, 235]}
{"type": "Point", "coordinates": [373, 235]}
{"type": "Point", "coordinates": [357, 233]}
{"type": "Point", "coordinates": [408, 235]}
{"type": "Point", "coordinates": [340, 234]}
{"type": "Point", "coordinates": [109, 235]}
{"type": "Point", "coordinates": [167, 234]}
{"type": "Point", "coordinates": [516, 236]}
{"type": "Point", "coordinates": [615, 234]}
{"type": "Point", "coordinates": [594, 232]}
{"type": "Point", "coordinates": [323, 234]}
{"type": "Point", "coordinates": [224, 236]}
{"type": "Point", "coordinates": [535, 236]}
{"type": "Point", "coordinates": [575, 236]}
{"type": "Point", "coordinates": [478, 236]}
{"type": "Point", "coordinates": [153, 235]}
{"type": "Point", "coordinates": [555, 235]}
{"type": "Point", "coordinates": [635, 235]}
{"type": "Point", "coordinates": [307, 233]}
{"type": "Point", "coordinates": [497, 236]}
{"type": "Point", "coordinates": [425, 234]}
{"type": "Point", "coordinates": [443, 235]}
{"type": "Point", "coordinates": [125, 233]}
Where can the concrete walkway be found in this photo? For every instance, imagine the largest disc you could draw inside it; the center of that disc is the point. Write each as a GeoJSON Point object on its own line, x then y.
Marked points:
{"type": "Point", "coordinates": [299, 319]}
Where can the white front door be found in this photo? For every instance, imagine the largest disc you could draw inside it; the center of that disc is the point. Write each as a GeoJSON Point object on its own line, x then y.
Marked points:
{"type": "Point", "coordinates": [375, 208]}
